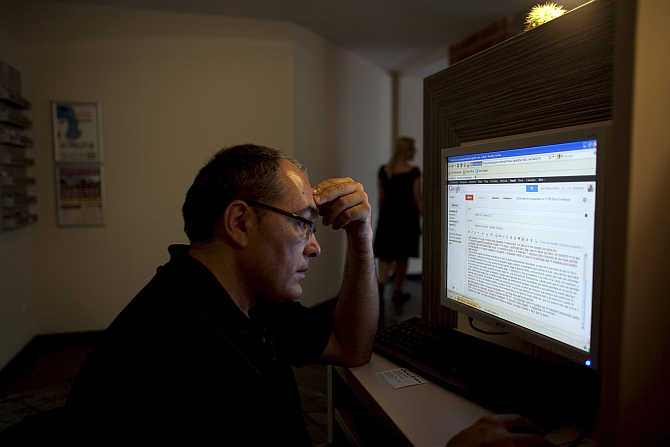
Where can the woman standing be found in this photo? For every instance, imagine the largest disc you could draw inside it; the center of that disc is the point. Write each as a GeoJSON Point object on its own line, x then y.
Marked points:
{"type": "Point", "coordinates": [400, 205]}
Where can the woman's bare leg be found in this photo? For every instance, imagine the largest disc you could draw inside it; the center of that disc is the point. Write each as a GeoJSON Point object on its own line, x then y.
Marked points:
{"type": "Point", "coordinates": [385, 268]}
{"type": "Point", "coordinates": [400, 275]}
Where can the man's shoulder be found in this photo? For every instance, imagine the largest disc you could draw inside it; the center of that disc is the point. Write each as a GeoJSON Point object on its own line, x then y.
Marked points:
{"type": "Point", "coordinates": [180, 291]}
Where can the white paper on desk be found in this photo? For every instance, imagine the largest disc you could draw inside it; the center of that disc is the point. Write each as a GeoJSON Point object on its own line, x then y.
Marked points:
{"type": "Point", "coordinates": [400, 378]}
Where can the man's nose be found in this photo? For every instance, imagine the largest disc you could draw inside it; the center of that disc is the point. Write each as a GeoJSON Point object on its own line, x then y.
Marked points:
{"type": "Point", "coordinates": [312, 249]}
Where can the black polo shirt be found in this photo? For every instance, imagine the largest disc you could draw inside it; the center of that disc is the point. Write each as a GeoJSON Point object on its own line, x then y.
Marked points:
{"type": "Point", "coordinates": [182, 361]}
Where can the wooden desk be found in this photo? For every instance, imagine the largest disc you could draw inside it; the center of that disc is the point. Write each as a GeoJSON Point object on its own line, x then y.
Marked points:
{"type": "Point", "coordinates": [365, 410]}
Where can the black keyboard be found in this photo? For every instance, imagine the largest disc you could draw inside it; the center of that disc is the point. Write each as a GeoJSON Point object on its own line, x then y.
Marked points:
{"type": "Point", "coordinates": [497, 378]}
{"type": "Point", "coordinates": [437, 354]}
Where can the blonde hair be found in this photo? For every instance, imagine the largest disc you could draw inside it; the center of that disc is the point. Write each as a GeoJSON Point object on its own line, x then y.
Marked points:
{"type": "Point", "coordinates": [402, 145]}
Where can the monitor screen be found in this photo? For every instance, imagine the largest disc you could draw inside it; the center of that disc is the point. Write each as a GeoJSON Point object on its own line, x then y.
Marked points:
{"type": "Point", "coordinates": [519, 233]}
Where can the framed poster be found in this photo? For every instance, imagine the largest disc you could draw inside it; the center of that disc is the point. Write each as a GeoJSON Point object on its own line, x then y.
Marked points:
{"type": "Point", "coordinates": [79, 195]}
{"type": "Point", "coordinates": [77, 131]}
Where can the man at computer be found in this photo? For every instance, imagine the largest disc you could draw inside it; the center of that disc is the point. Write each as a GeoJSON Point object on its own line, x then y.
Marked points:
{"type": "Point", "coordinates": [203, 352]}
{"type": "Point", "coordinates": [205, 348]}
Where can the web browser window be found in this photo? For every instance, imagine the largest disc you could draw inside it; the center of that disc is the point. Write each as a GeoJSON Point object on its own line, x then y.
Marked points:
{"type": "Point", "coordinates": [520, 236]}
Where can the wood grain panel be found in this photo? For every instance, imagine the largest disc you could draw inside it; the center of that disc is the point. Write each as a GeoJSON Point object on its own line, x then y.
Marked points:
{"type": "Point", "coordinates": [559, 74]}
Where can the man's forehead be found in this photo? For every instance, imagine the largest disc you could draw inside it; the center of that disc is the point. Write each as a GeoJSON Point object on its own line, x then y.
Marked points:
{"type": "Point", "coordinates": [297, 179]}
{"type": "Point", "coordinates": [297, 186]}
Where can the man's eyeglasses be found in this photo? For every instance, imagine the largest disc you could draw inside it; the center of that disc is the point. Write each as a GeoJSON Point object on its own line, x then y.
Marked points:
{"type": "Point", "coordinates": [307, 226]}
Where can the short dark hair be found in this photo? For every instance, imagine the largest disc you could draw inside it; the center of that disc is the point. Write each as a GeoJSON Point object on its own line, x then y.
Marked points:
{"type": "Point", "coordinates": [244, 172]}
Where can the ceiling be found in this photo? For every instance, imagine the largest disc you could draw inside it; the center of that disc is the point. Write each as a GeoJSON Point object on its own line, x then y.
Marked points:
{"type": "Point", "coordinates": [396, 35]}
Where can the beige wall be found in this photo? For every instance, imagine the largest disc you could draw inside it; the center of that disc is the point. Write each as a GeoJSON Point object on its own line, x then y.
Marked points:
{"type": "Point", "coordinates": [342, 129]}
{"type": "Point", "coordinates": [644, 396]}
{"type": "Point", "coordinates": [173, 89]}
{"type": "Point", "coordinates": [17, 325]}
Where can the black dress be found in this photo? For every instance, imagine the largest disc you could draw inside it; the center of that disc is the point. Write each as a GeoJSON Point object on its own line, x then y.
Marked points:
{"type": "Point", "coordinates": [398, 228]}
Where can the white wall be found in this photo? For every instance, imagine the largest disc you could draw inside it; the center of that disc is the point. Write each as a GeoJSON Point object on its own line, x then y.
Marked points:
{"type": "Point", "coordinates": [644, 388]}
{"type": "Point", "coordinates": [17, 325]}
{"type": "Point", "coordinates": [411, 99]}
{"type": "Point", "coordinates": [174, 88]}
{"type": "Point", "coordinates": [342, 129]}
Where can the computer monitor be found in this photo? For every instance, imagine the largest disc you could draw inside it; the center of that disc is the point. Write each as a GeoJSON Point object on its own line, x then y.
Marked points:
{"type": "Point", "coordinates": [520, 236]}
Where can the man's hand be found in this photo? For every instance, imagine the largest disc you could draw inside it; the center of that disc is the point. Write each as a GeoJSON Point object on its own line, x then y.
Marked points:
{"type": "Point", "coordinates": [343, 203]}
{"type": "Point", "coordinates": [504, 430]}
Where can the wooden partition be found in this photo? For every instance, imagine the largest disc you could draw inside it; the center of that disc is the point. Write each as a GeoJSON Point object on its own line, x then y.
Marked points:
{"type": "Point", "coordinates": [559, 74]}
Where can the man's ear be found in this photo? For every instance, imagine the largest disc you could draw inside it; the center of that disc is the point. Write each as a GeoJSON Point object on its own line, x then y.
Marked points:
{"type": "Point", "coordinates": [234, 224]}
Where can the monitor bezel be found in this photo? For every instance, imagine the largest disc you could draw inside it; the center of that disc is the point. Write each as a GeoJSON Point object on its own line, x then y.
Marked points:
{"type": "Point", "coordinates": [599, 131]}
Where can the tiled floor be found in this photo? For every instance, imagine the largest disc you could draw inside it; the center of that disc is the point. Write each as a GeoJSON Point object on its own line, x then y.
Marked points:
{"type": "Point", "coordinates": [45, 381]}
{"type": "Point", "coordinates": [42, 383]}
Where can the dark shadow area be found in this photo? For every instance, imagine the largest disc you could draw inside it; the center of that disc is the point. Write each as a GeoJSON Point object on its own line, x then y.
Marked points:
{"type": "Point", "coordinates": [37, 381]}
